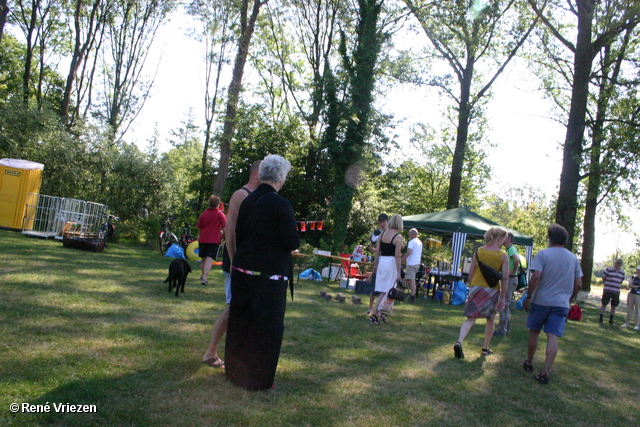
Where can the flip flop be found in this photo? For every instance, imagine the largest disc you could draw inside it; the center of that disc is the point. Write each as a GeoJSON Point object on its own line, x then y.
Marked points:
{"type": "Point", "coordinates": [214, 362]}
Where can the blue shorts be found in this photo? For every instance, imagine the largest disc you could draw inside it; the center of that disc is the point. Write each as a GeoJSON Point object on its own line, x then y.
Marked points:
{"type": "Point", "coordinates": [227, 286]}
{"type": "Point", "coordinates": [552, 318]}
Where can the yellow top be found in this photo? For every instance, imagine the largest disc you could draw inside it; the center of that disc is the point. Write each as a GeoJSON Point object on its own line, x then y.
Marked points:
{"type": "Point", "coordinates": [492, 259]}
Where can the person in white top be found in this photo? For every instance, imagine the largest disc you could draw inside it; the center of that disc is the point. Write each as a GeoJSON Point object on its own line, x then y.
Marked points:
{"type": "Point", "coordinates": [413, 256]}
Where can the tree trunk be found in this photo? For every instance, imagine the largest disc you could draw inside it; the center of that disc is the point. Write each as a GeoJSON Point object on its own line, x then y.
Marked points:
{"type": "Point", "coordinates": [567, 205]}
{"type": "Point", "coordinates": [462, 135]}
{"type": "Point", "coordinates": [348, 152]}
{"type": "Point", "coordinates": [234, 93]}
{"type": "Point", "coordinates": [589, 223]}
{"type": "Point", "coordinates": [211, 104]}
{"type": "Point", "coordinates": [80, 50]}
{"type": "Point", "coordinates": [202, 194]}
{"type": "Point", "coordinates": [340, 213]}
{"type": "Point", "coordinates": [28, 59]}
{"type": "Point", "coordinates": [610, 72]}
{"type": "Point", "coordinates": [76, 60]}
{"type": "Point", "coordinates": [4, 11]}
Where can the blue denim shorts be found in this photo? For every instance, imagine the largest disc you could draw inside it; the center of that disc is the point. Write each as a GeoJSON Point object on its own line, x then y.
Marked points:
{"type": "Point", "coordinates": [552, 318]}
{"type": "Point", "coordinates": [227, 286]}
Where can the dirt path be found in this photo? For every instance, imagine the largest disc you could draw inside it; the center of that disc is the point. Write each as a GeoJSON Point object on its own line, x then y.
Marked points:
{"type": "Point", "coordinates": [595, 296]}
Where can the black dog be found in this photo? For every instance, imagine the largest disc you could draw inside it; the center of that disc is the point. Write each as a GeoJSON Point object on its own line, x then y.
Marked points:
{"type": "Point", "coordinates": [179, 269]}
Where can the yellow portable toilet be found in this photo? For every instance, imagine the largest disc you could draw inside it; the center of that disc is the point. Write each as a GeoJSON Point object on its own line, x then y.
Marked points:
{"type": "Point", "coordinates": [18, 178]}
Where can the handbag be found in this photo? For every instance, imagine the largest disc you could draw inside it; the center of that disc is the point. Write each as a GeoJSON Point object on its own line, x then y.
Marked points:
{"type": "Point", "coordinates": [491, 275]}
{"type": "Point", "coordinates": [396, 294]}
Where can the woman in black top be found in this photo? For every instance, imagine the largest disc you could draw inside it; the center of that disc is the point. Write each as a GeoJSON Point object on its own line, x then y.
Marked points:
{"type": "Point", "coordinates": [387, 268]}
{"type": "Point", "coordinates": [266, 233]}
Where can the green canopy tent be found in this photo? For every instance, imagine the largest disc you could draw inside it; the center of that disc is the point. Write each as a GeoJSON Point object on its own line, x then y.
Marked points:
{"type": "Point", "coordinates": [460, 224]}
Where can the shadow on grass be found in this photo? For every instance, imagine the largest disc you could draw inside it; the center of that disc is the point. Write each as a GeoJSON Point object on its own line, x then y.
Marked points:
{"type": "Point", "coordinates": [102, 329]}
{"type": "Point", "coordinates": [135, 399]}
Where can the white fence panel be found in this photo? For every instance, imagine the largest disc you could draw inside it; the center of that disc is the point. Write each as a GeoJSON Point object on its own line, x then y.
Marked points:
{"type": "Point", "coordinates": [58, 217]}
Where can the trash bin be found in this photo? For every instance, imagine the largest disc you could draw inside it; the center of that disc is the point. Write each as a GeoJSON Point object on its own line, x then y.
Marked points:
{"type": "Point", "coordinates": [18, 178]}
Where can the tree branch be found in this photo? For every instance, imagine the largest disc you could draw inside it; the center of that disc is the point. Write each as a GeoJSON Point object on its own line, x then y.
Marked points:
{"type": "Point", "coordinates": [554, 30]}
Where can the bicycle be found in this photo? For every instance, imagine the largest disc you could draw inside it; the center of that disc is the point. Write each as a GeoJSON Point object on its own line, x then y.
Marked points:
{"type": "Point", "coordinates": [166, 238]}
{"type": "Point", "coordinates": [107, 229]}
{"type": "Point", "coordinates": [186, 237]}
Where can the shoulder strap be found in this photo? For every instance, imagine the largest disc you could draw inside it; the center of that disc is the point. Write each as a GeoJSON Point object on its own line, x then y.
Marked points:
{"type": "Point", "coordinates": [246, 189]}
{"type": "Point", "coordinates": [480, 262]}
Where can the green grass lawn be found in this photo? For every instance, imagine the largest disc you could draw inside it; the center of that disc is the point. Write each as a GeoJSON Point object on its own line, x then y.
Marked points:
{"type": "Point", "coordinates": [85, 328]}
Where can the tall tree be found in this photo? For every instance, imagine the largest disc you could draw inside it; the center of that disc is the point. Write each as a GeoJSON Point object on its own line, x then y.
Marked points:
{"type": "Point", "coordinates": [420, 184]}
{"type": "Point", "coordinates": [354, 116]}
{"type": "Point", "coordinates": [4, 11]}
{"type": "Point", "coordinates": [33, 18]}
{"type": "Point", "coordinates": [466, 34]}
{"type": "Point", "coordinates": [11, 68]}
{"type": "Point", "coordinates": [616, 16]}
{"type": "Point", "coordinates": [298, 40]}
{"type": "Point", "coordinates": [216, 18]}
{"type": "Point", "coordinates": [88, 25]}
{"type": "Point", "coordinates": [131, 30]}
{"type": "Point", "coordinates": [614, 150]}
{"type": "Point", "coordinates": [182, 161]}
{"type": "Point", "coordinates": [525, 209]}
{"type": "Point", "coordinates": [247, 26]}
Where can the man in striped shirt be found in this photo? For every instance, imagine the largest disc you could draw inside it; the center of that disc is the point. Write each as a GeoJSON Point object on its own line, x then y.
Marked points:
{"type": "Point", "coordinates": [612, 280]}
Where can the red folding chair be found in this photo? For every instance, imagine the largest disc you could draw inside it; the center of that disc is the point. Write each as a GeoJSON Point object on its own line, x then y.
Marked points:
{"type": "Point", "coordinates": [351, 271]}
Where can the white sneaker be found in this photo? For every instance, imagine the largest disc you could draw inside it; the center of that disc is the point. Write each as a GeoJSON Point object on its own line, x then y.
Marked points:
{"type": "Point", "coordinates": [626, 325]}
{"type": "Point", "coordinates": [637, 328]}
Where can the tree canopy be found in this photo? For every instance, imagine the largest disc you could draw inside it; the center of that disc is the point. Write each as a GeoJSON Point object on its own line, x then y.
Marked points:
{"type": "Point", "coordinates": [74, 76]}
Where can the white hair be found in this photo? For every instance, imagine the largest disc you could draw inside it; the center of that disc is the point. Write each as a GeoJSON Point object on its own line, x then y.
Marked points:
{"type": "Point", "coordinates": [274, 168]}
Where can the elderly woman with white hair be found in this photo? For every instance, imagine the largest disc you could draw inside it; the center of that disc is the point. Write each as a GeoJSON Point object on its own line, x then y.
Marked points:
{"type": "Point", "coordinates": [266, 233]}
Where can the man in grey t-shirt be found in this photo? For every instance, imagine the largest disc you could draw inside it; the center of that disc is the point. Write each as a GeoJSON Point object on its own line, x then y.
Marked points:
{"type": "Point", "coordinates": [555, 282]}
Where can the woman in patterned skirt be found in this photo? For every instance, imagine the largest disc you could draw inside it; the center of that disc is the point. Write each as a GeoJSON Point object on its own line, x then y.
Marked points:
{"type": "Point", "coordinates": [485, 301]}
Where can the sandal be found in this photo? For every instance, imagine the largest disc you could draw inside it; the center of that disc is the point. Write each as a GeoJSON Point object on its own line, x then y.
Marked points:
{"type": "Point", "coordinates": [383, 317]}
{"type": "Point", "coordinates": [486, 352]}
{"type": "Point", "coordinates": [542, 378]}
{"type": "Point", "coordinates": [457, 350]}
{"type": "Point", "coordinates": [527, 366]}
{"type": "Point", "coordinates": [214, 362]}
{"type": "Point", "coordinates": [374, 319]}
